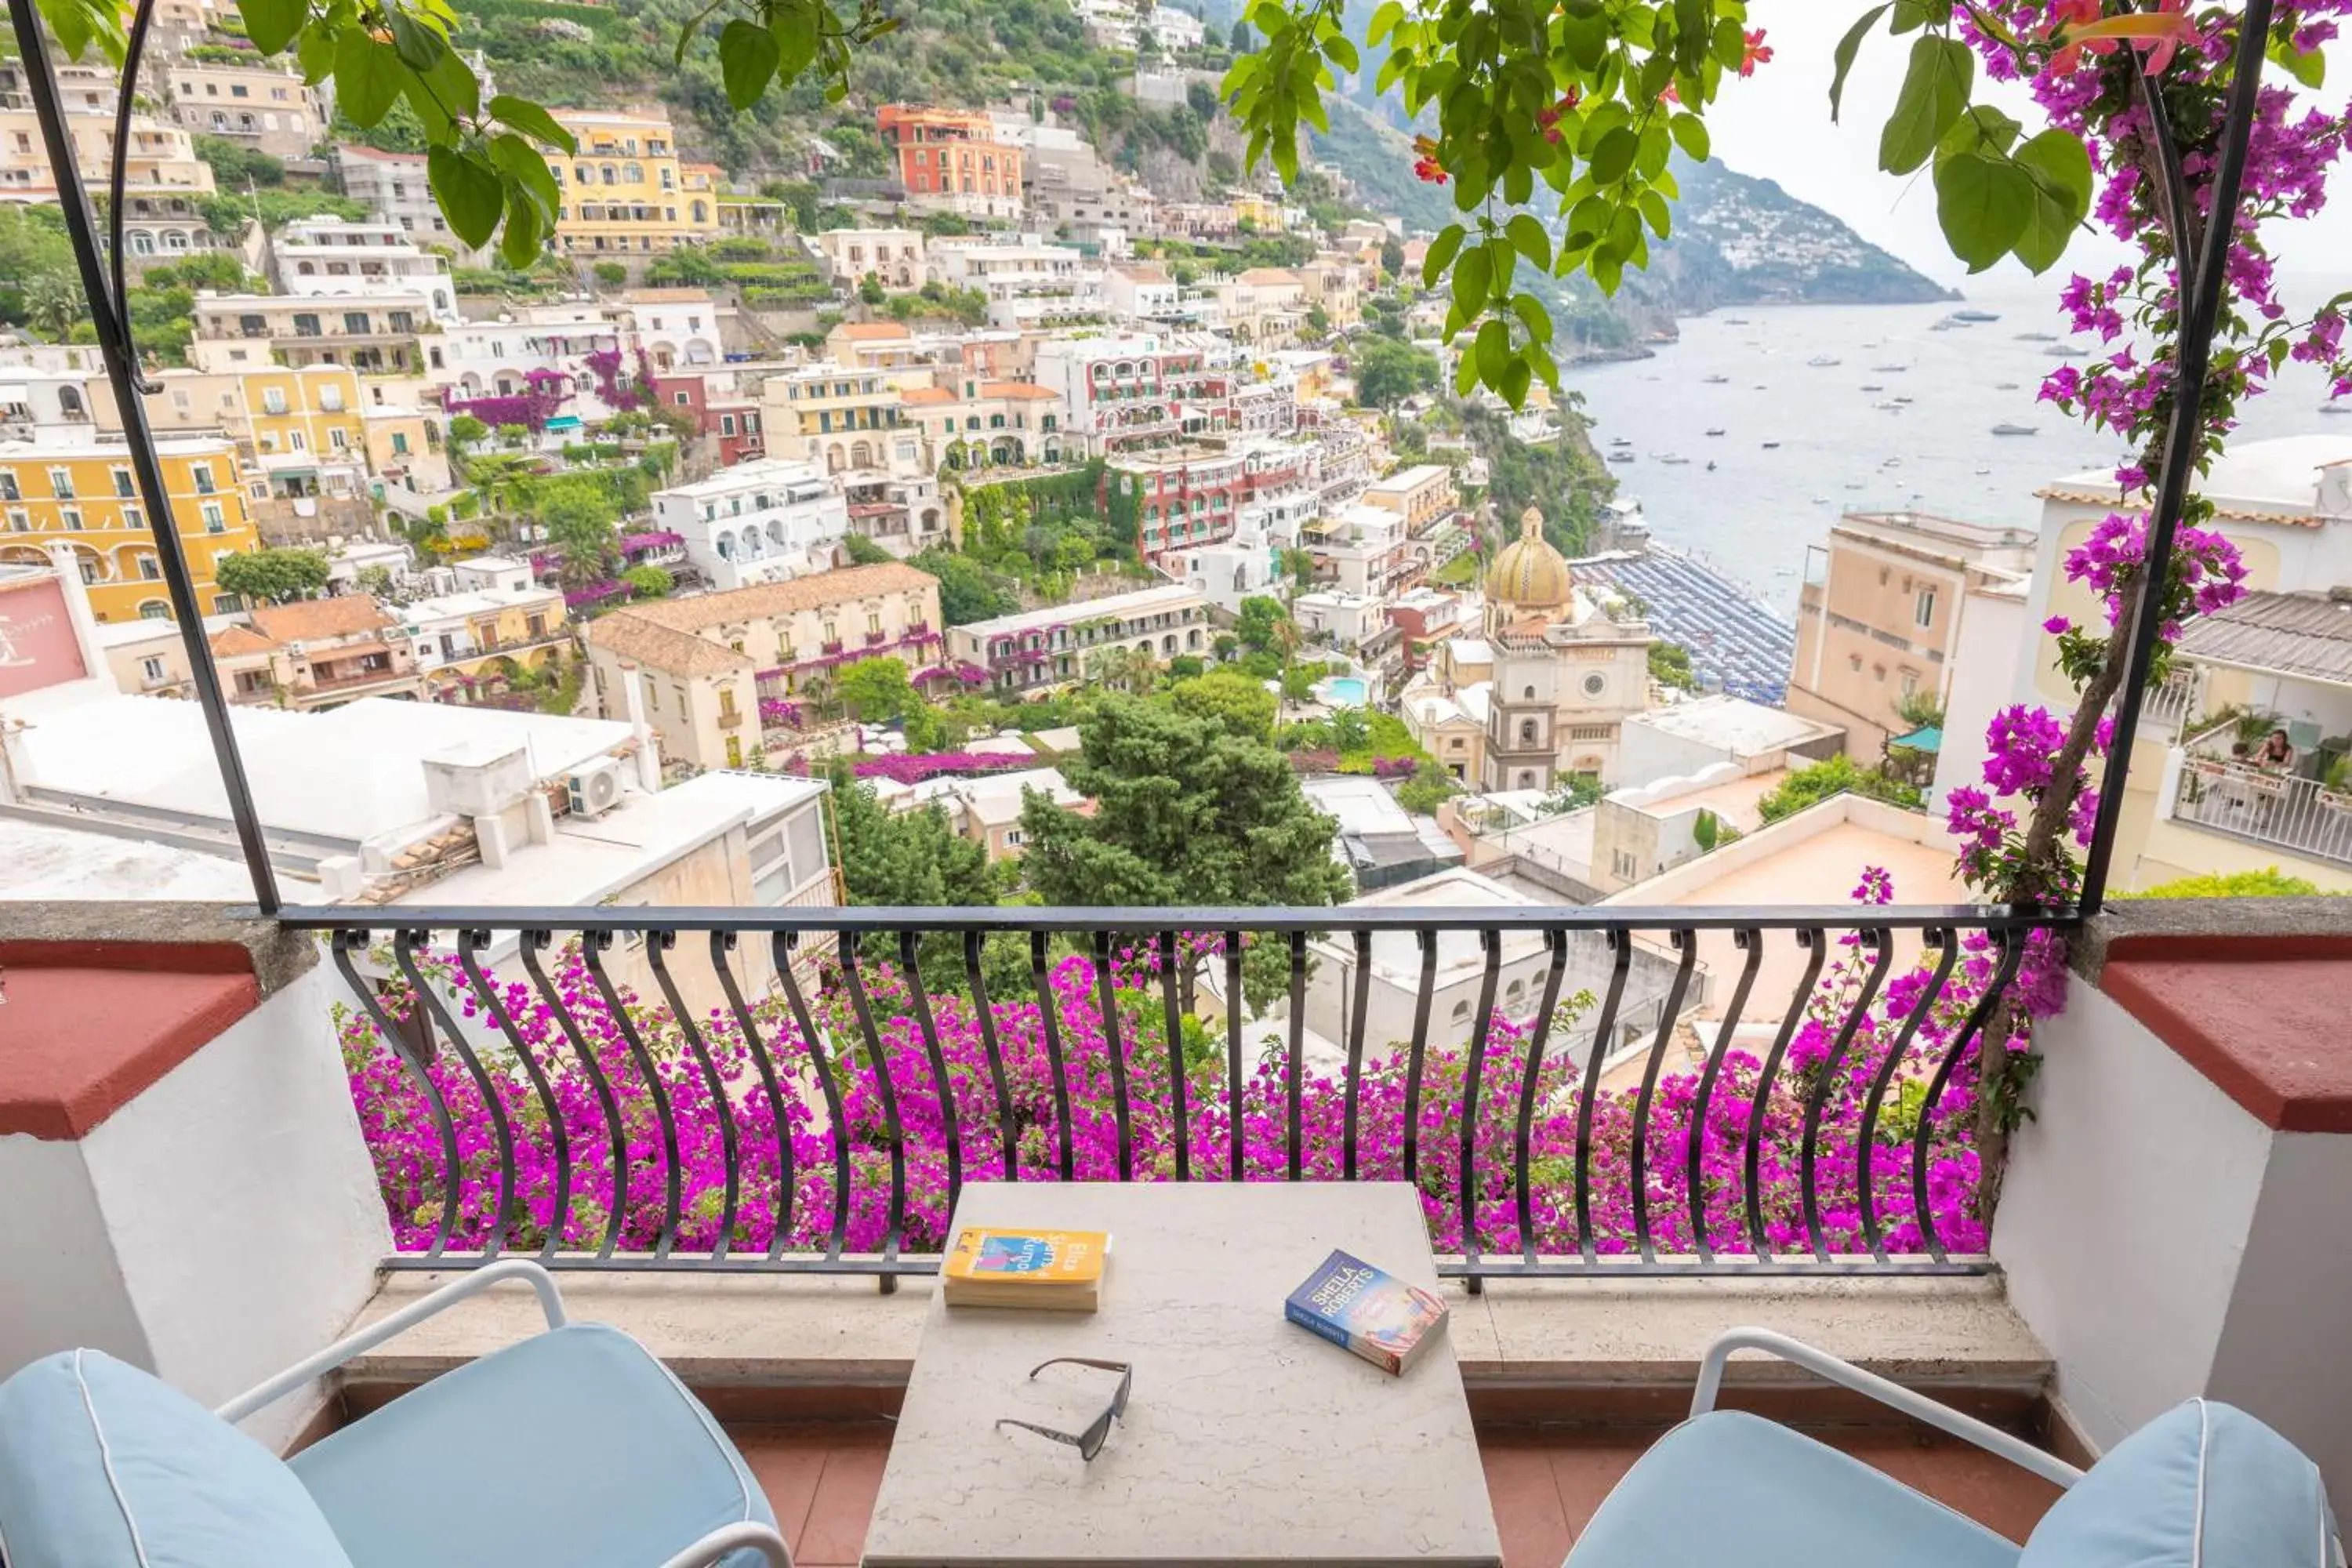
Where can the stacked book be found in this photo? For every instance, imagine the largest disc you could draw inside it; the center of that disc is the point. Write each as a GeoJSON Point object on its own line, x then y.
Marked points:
{"type": "Point", "coordinates": [1053, 1270]}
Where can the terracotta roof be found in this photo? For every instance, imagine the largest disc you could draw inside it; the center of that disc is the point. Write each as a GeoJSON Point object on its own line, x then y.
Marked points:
{"type": "Point", "coordinates": [1028, 390]}
{"type": "Point", "coordinates": [343, 616]}
{"type": "Point", "coordinates": [927, 395]}
{"type": "Point", "coordinates": [631, 635]}
{"type": "Point", "coordinates": [676, 295]}
{"type": "Point", "coordinates": [231, 641]}
{"type": "Point", "coordinates": [738, 604]}
{"type": "Point", "coordinates": [1269, 277]}
{"type": "Point", "coordinates": [2138, 500]}
{"type": "Point", "coordinates": [871, 331]}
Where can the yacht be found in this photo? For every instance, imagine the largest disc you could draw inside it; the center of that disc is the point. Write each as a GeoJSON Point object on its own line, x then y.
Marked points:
{"type": "Point", "coordinates": [2005, 428]}
{"type": "Point", "coordinates": [2335, 409]}
{"type": "Point", "coordinates": [1983, 472]}
{"type": "Point", "coordinates": [1902, 400]}
{"type": "Point", "coordinates": [1873, 386]}
{"type": "Point", "coordinates": [1890, 369]}
{"type": "Point", "coordinates": [2004, 386]}
{"type": "Point", "coordinates": [1716, 380]}
{"type": "Point", "coordinates": [2037, 337]}
{"type": "Point", "coordinates": [2067, 350]}
{"type": "Point", "coordinates": [1822, 362]}
{"type": "Point", "coordinates": [1735, 320]}
{"type": "Point", "coordinates": [1671, 459]}
{"type": "Point", "coordinates": [1972, 317]}
{"type": "Point", "coordinates": [1717, 430]}
{"type": "Point", "coordinates": [1888, 407]}
{"type": "Point", "coordinates": [1771, 446]}
{"type": "Point", "coordinates": [1621, 456]}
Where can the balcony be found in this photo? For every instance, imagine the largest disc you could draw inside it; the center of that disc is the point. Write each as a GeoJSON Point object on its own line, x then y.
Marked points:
{"type": "Point", "coordinates": [2301, 816]}
{"type": "Point", "coordinates": [1579, 1276]}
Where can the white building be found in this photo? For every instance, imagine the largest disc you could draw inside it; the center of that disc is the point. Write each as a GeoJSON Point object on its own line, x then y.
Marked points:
{"type": "Point", "coordinates": [1248, 565]}
{"type": "Point", "coordinates": [329, 258]}
{"type": "Point", "coordinates": [396, 187]}
{"type": "Point", "coordinates": [894, 257]}
{"type": "Point", "coordinates": [756, 523]}
{"type": "Point", "coordinates": [1176, 29]}
{"type": "Point", "coordinates": [1689, 737]}
{"type": "Point", "coordinates": [1340, 619]}
{"type": "Point", "coordinates": [448, 627]}
{"type": "Point", "coordinates": [1028, 283]}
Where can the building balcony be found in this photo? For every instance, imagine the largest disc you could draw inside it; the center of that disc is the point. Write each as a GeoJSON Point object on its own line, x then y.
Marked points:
{"type": "Point", "coordinates": [2300, 818]}
{"type": "Point", "coordinates": [1583, 1270]}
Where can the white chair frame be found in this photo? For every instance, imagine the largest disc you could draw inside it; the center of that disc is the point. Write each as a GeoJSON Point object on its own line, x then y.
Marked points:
{"type": "Point", "coordinates": [711, 1549]}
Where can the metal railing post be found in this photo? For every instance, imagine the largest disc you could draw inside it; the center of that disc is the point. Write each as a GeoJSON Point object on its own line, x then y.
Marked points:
{"type": "Point", "coordinates": [107, 315]}
{"type": "Point", "coordinates": [2202, 290]}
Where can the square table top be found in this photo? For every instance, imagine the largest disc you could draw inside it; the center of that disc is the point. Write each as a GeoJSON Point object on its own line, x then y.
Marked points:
{"type": "Point", "coordinates": [1246, 1439]}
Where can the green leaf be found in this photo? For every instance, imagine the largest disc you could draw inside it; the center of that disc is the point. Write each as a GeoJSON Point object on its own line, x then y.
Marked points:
{"type": "Point", "coordinates": [419, 46]}
{"type": "Point", "coordinates": [2309, 68]}
{"type": "Point", "coordinates": [1586, 39]}
{"type": "Point", "coordinates": [1983, 129]}
{"type": "Point", "coordinates": [1660, 215]}
{"type": "Point", "coordinates": [1614, 155]}
{"type": "Point", "coordinates": [272, 24]}
{"type": "Point", "coordinates": [1730, 44]}
{"type": "Point", "coordinates": [1690, 134]}
{"type": "Point", "coordinates": [1983, 204]}
{"type": "Point", "coordinates": [1472, 275]}
{"type": "Point", "coordinates": [1935, 91]}
{"type": "Point", "coordinates": [1466, 376]}
{"type": "Point", "coordinates": [468, 189]}
{"type": "Point", "coordinates": [529, 118]}
{"type": "Point", "coordinates": [797, 33]}
{"type": "Point", "coordinates": [2061, 172]}
{"type": "Point", "coordinates": [316, 51]}
{"type": "Point", "coordinates": [1493, 348]}
{"type": "Point", "coordinates": [525, 172]}
{"type": "Point", "coordinates": [1384, 21]}
{"type": "Point", "coordinates": [1514, 384]}
{"type": "Point", "coordinates": [747, 61]}
{"type": "Point", "coordinates": [1441, 255]}
{"type": "Point", "coordinates": [369, 77]}
{"type": "Point", "coordinates": [1848, 46]}
{"type": "Point", "coordinates": [1529, 236]}
{"type": "Point", "coordinates": [1532, 314]}
{"type": "Point", "coordinates": [526, 232]}
{"type": "Point", "coordinates": [454, 84]}
{"type": "Point", "coordinates": [1342, 53]}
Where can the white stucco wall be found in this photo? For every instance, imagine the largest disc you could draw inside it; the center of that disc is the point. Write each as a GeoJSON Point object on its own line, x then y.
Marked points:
{"type": "Point", "coordinates": [220, 1227]}
{"type": "Point", "coordinates": [2125, 1216]}
{"type": "Point", "coordinates": [1984, 676]}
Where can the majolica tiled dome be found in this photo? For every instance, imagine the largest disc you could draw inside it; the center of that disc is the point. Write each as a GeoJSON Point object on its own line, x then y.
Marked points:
{"type": "Point", "coordinates": [1528, 572]}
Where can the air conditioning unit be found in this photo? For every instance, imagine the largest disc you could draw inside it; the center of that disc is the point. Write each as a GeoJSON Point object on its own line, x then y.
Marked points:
{"type": "Point", "coordinates": [594, 789]}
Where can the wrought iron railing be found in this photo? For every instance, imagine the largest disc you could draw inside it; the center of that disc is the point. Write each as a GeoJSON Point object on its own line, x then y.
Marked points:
{"type": "Point", "coordinates": [729, 1090]}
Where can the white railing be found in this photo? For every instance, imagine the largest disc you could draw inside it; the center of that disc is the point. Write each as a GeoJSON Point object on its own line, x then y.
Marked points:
{"type": "Point", "coordinates": [2176, 702]}
{"type": "Point", "coordinates": [2294, 814]}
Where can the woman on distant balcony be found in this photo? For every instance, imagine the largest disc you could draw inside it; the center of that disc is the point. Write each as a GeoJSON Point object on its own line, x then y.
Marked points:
{"type": "Point", "coordinates": [2276, 754]}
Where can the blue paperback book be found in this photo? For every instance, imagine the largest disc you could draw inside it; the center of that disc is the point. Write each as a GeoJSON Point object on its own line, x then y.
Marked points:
{"type": "Point", "coordinates": [1368, 1311]}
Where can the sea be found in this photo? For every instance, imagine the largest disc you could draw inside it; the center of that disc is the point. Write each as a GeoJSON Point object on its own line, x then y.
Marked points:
{"type": "Point", "coordinates": [1803, 441]}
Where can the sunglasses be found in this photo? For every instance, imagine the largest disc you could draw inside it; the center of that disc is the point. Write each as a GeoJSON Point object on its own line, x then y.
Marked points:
{"type": "Point", "coordinates": [1089, 1441]}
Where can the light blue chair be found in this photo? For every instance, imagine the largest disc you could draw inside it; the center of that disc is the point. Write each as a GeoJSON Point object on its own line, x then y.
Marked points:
{"type": "Point", "coordinates": [575, 1448]}
{"type": "Point", "coordinates": [2203, 1485]}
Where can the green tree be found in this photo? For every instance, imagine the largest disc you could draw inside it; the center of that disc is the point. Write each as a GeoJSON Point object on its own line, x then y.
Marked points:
{"type": "Point", "coordinates": [580, 523]}
{"type": "Point", "coordinates": [53, 304]}
{"type": "Point", "coordinates": [232, 166]}
{"type": "Point", "coordinates": [1350, 730]}
{"type": "Point", "coordinates": [1392, 257]}
{"type": "Point", "coordinates": [1837, 775]}
{"type": "Point", "coordinates": [1224, 645]}
{"type": "Point", "coordinates": [968, 591]}
{"type": "Point", "coordinates": [908, 859]}
{"type": "Point", "coordinates": [1202, 98]}
{"type": "Point", "coordinates": [1188, 812]}
{"type": "Point", "coordinates": [611, 274]}
{"type": "Point", "coordinates": [1319, 320]}
{"type": "Point", "coordinates": [649, 581]}
{"type": "Point", "coordinates": [1670, 665]}
{"type": "Point", "coordinates": [1259, 617]}
{"type": "Point", "coordinates": [1388, 372]}
{"type": "Point", "coordinates": [465, 431]}
{"type": "Point", "coordinates": [2267, 883]}
{"type": "Point", "coordinates": [1240, 705]}
{"type": "Point", "coordinates": [272, 576]}
{"type": "Point", "coordinates": [864, 551]}
{"type": "Point", "coordinates": [376, 582]}
{"type": "Point", "coordinates": [1431, 786]}
{"type": "Point", "coordinates": [876, 691]}
{"type": "Point", "coordinates": [869, 289]}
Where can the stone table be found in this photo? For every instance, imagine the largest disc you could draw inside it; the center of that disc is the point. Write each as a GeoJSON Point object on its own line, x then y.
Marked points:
{"type": "Point", "coordinates": [1246, 1439]}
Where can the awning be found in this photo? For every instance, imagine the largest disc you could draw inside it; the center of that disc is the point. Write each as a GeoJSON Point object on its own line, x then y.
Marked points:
{"type": "Point", "coordinates": [1928, 738]}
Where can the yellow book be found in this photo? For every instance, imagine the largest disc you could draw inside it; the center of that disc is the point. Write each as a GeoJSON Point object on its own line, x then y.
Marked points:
{"type": "Point", "coordinates": [1056, 1269]}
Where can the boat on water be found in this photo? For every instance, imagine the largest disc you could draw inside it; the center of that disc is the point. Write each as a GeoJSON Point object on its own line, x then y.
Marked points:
{"type": "Point", "coordinates": [1946, 325]}
{"type": "Point", "coordinates": [1973, 317]}
{"type": "Point", "coordinates": [2037, 337]}
{"type": "Point", "coordinates": [1890, 369]}
{"type": "Point", "coordinates": [2004, 386]}
{"type": "Point", "coordinates": [1820, 501]}
{"type": "Point", "coordinates": [2067, 350]}
{"type": "Point", "coordinates": [1621, 457]}
{"type": "Point", "coordinates": [2335, 409]}
{"type": "Point", "coordinates": [1710, 465]}
{"type": "Point", "coordinates": [1735, 320]}
{"type": "Point", "coordinates": [1902, 400]}
{"type": "Point", "coordinates": [1671, 459]}
{"type": "Point", "coordinates": [1983, 472]}
{"type": "Point", "coordinates": [1716, 380]}
{"type": "Point", "coordinates": [1761, 387]}
{"type": "Point", "coordinates": [1715, 430]}
{"type": "Point", "coordinates": [1854, 485]}
{"type": "Point", "coordinates": [2006, 428]}
{"type": "Point", "coordinates": [1888, 407]}
{"type": "Point", "coordinates": [1771, 446]}
{"type": "Point", "coordinates": [1822, 362]}
{"type": "Point", "coordinates": [1873, 386]}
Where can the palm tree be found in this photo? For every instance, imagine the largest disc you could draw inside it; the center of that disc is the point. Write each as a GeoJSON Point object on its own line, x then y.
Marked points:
{"type": "Point", "coordinates": [53, 304]}
{"type": "Point", "coordinates": [1286, 639]}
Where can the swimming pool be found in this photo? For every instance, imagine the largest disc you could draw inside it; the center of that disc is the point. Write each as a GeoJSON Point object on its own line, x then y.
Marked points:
{"type": "Point", "coordinates": [1343, 691]}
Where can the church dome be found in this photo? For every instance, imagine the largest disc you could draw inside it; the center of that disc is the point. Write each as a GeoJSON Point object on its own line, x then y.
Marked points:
{"type": "Point", "coordinates": [1528, 572]}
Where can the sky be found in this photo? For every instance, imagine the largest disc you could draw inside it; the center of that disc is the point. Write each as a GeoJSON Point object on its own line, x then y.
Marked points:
{"type": "Point", "coordinates": [1777, 124]}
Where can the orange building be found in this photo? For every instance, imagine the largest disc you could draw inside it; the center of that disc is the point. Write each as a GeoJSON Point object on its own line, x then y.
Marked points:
{"type": "Point", "coordinates": [951, 158]}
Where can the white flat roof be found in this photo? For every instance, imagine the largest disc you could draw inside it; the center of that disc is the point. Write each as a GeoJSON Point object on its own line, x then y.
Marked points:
{"type": "Point", "coordinates": [1362, 805]}
{"type": "Point", "coordinates": [39, 862]}
{"type": "Point", "coordinates": [351, 774]}
{"type": "Point", "coordinates": [2282, 472]}
{"type": "Point", "coordinates": [748, 476]}
{"type": "Point", "coordinates": [1112, 606]}
{"type": "Point", "coordinates": [1732, 724]}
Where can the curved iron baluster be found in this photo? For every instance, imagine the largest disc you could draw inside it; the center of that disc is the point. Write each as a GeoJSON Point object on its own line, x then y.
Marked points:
{"type": "Point", "coordinates": [1868, 1132]}
{"type": "Point", "coordinates": [1881, 941]}
{"type": "Point", "coordinates": [887, 1090]}
{"type": "Point", "coordinates": [1234, 1056]}
{"type": "Point", "coordinates": [470, 944]}
{"type": "Point", "coordinates": [1815, 944]}
{"type": "Point", "coordinates": [528, 944]}
{"type": "Point", "coordinates": [1620, 946]}
{"type": "Point", "coordinates": [1481, 1031]}
{"type": "Point", "coordinates": [1638, 1175]}
{"type": "Point", "coordinates": [1363, 992]}
{"type": "Point", "coordinates": [1048, 1015]}
{"type": "Point", "coordinates": [1007, 1132]}
{"type": "Point", "coordinates": [1107, 1001]}
{"type": "Point", "coordinates": [1297, 1063]}
{"type": "Point", "coordinates": [950, 1123]}
{"type": "Point", "coordinates": [1750, 939]}
{"type": "Point", "coordinates": [403, 954]}
{"type": "Point", "coordinates": [354, 939]}
{"type": "Point", "coordinates": [591, 955]}
{"type": "Point", "coordinates": [2012, 952]}
{"type": "Point", "coordinates": [822, 1062]}
{"type": "Point", "coordinates": [1417, 1051]}
{"type": "Point", "coordinates": [1523, 1146]}
{"type": "Point", "coordinates": [722, 943]}
{"type": "Point", "coordinates": [1174, 1023]}
{"type": "Point", "coordinates": [658, 944]}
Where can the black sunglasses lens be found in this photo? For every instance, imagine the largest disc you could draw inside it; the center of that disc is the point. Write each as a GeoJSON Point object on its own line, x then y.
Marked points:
{"type": "Point", "coordinates": [1095, 1436]}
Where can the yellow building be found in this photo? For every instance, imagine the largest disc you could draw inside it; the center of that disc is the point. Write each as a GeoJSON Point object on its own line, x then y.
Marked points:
{"type": "Point", "coordinates": [69, 487]}
{"type": "Point", "coordinates": [625, 190]}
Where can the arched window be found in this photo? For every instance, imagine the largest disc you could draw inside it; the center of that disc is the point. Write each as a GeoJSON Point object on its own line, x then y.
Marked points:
{"type": "Point", "coordinates": [155, 610]}
{"type": "Point", "coordinates": [142, 242]}
{"type": "Point", "coordinates": [306, 269]}
{"type": "Point", "coordinates": [611, 176]}
{"type": "Point", "coordinates": [701, 213]}
{"type": "Point", "coordinates": [1526, 732]}
{"type": "Point", "coordinates": [69, 401]}
{"type": "Point", "coordinates": [1531, 694]}
{"type": "Point", "coordinates": [1461, 1010]}
{"type": "Point", "coordinates": [173, 239]}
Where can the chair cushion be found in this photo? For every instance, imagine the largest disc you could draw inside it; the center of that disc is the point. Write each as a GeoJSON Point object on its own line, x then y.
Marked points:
{"type": "Point", "coordinates": [1731, 1488]}
{"type": "Point", "coordinates": [2203, 1483]}
{"type": "Point", "coordinates": [574, 1447]}
{"type": "Point", "coordinates": [104, 1466]}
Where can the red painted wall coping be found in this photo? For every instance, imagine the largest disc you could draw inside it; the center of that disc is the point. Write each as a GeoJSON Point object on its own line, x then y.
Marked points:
{"type": "Point", "coordinates": [90, 1025]}
{"type": "Point", "coordinates": [2268, 1019]}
